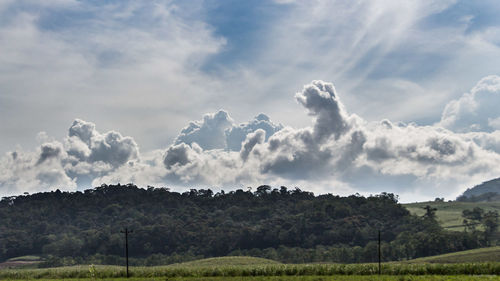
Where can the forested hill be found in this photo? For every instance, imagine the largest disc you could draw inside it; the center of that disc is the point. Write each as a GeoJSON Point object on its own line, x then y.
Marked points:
{"type": "Point", "coordinates": [288, 225]}
{"type": "Point", "coordinates": [486, 191]}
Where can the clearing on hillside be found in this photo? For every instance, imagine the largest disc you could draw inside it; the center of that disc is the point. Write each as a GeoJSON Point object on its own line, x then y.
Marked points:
{"type": "Point", "coordinates": [450, 213]}
{"type": "Point", "coordinates": [24, 261]}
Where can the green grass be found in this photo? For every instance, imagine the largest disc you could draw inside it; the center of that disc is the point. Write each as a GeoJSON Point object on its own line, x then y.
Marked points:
{"type": "Point", "coordinates": [226, 261]}
{"type": "Point", "coordinates": [261, 271]}
{"type": "Point", "coordinates": [450, 213]}
{"type": "Point", "coordinates": [310, 278]}
{"type": "Point", "coordinates": [490, 254]}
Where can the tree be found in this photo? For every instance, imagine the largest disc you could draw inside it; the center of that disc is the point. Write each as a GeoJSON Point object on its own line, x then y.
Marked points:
{"type": "Point", "coordinates": [490, 223]}
{"type": "Point", "coordinates": [430, 212]}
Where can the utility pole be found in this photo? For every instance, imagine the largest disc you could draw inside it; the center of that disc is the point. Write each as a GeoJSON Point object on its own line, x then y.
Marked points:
{"type": "Point", "coordinates": [379, 255]}
{"type": "Point", "coordinates": [126, 244]}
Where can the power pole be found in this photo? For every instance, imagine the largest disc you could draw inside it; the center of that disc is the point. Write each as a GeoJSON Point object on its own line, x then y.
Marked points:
{"type": "Point", "coordinates": [126, 245]}
{"type": "Point", "coordinates": [379, 268]}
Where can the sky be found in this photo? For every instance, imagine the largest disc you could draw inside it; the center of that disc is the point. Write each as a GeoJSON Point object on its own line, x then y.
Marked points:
{"type": "Point", "coordinates": [336, 97]}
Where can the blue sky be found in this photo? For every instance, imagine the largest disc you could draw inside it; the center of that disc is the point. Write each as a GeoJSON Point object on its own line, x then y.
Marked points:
{"type": "Point", "coordinates": [151, 70]}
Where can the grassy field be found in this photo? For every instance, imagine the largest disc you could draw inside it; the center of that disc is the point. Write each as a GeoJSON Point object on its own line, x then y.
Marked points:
{"type": "Point", "coordinates": [450, 213]}
{"type": "Point", "coordinates": [491, 254]}
{"type": "Point", "coordinates": [256, 272]}
{"type": "Point", "coordinates": [309, 278]}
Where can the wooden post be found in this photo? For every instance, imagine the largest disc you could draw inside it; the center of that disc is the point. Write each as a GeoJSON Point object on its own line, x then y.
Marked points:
{"type": "Point", "coordinates": [379, 255]}
{"type": "Point", "coordinates": [126, 245]}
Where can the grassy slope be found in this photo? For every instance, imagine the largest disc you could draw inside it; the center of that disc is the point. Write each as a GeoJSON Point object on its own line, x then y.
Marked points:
{"type": "Point", "coordinates": [450, 213]}
{"type": "Point", "coordinates": [491, 254]}
{"type": "Point", "coordinates": [226, 261]}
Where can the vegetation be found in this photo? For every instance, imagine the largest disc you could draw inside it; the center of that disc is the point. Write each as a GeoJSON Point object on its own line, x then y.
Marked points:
{"type": "Point", "coordinates": [255, 270]}
{"type": "Point", "coordinates": [310, 278]}
{"type": "Point", "coordinates": [290, 226]}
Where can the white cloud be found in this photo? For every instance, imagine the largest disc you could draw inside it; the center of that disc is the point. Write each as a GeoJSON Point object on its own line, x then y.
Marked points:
{"type": "Point", "coordinates": [394, 157]}
{"type": "Point", "coordinates": [341, 148]}
{"type": "Point", "coordinates": [252, 139]}
{"type": "Point", "coordinates": [85, 155]}
{"type": "Point", "coordinates": [208, 133]}
{"type": "Point", "coordinates": [218, 131]}
{"type": "Point", "coordinates": [322, 102]}
{"type": "Point", "coordinates": [37, 171]}
{"type": "Point", "coordinates": [86, 144]}
{"type": "Point", "coordinates": [477, 110]}
{"type": "Point", "coordinates": [237, 133]}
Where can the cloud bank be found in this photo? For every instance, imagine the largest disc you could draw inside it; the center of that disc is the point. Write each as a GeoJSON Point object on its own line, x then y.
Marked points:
{"type": "Point", "coordinates": [339, 153]}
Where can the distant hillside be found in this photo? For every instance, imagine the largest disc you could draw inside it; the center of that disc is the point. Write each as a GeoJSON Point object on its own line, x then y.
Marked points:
{"type": "Point", "coordinates": [486, 191]}
{"type": "Point", "coordinates": [66, 228]}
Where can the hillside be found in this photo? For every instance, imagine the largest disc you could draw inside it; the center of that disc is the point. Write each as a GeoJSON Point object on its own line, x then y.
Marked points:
{"type": "Point", "coordinates": [486, 191]}
{"type": "Point", "coordinates": [450, 213]}
{"type": "Point", "coordinates": [490, 254]}
{"type": "Point", "coordinates": [67, 228]}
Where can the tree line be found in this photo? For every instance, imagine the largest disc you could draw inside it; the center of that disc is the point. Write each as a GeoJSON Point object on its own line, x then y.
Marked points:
{"type": "Point", "coordinates": [284, 224]}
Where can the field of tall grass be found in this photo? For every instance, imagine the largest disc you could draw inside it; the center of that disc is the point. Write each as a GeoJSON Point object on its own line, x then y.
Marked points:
{"type": "Point", "coordinates": [267, 271]}
{"type": "Point", "coordinates": [309, 278]}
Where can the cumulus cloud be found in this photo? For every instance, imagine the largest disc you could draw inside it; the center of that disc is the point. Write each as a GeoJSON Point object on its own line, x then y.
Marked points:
{"type": "Point", "coordinates": [252, 140]}
{"type": "Point", "coordinates": [238, 133]}
{"type": "Point", "coordinates": [85, 155]}
{"type": "Point", "coordinates": [218, 131]}
{"type": "Point", "coordinates": [475, 111]}
{"type": "Point", "coordinates": [179, 155]}
{"type": "Point", "coordinates": [322, 102]}
{"type": "Point", "coordinates": [87, 144]}
{"type": "Point", "coordinates": [48, 151]}
{"type": "Point", "coordinates": [207, 133]}
{"type": "Point", "coordinates": [339, 147]}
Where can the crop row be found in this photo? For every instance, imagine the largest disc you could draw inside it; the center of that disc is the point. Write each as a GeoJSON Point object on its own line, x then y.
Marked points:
{"type": "Point", "coordinates": [267, 270]}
